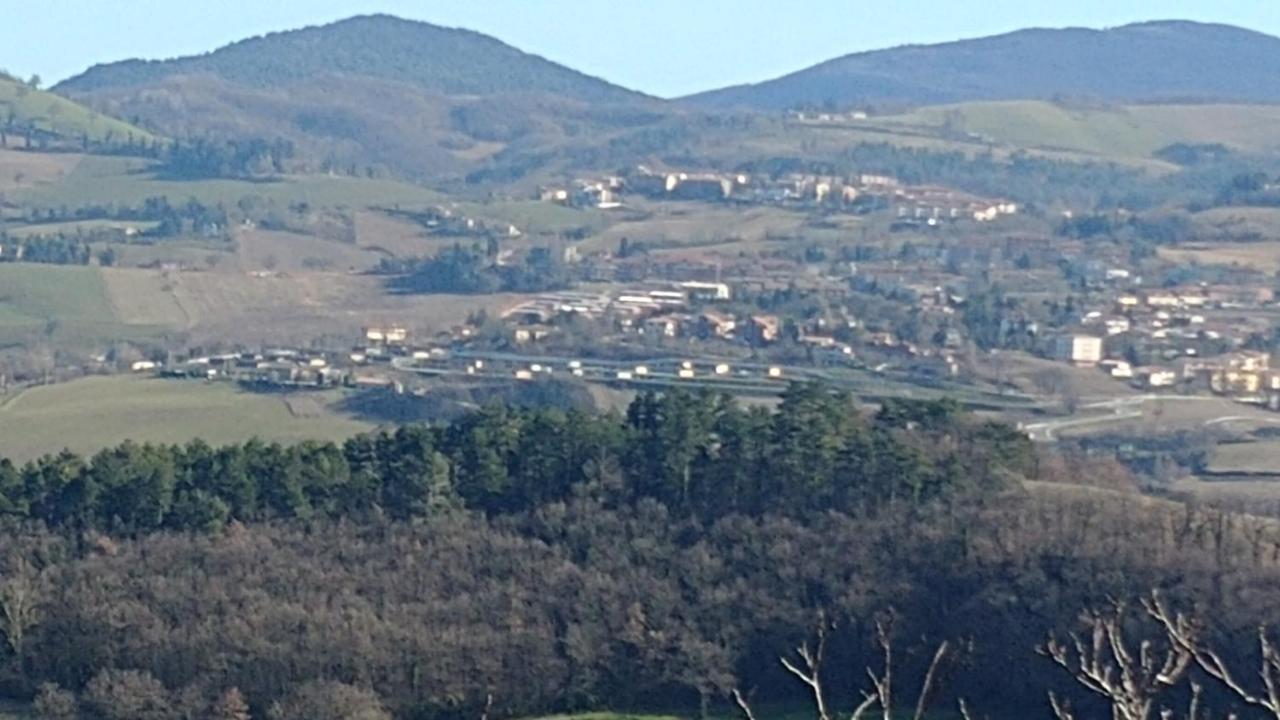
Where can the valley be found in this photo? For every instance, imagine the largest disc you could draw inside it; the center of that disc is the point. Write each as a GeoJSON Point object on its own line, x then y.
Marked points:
{"type": "Point", "coordinates": [380, 369]}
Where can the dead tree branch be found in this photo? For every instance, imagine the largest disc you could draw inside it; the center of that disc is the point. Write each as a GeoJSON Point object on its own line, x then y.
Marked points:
{"type": "Point", "coordinates": [1105, 663]}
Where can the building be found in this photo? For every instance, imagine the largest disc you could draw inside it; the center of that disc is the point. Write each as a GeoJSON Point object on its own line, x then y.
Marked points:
{"type": "Point", "coordinates": [763, 329]}
{"type": "Point", "coordinates": [1081, 350]}
{"type": "Point", "coordinates": [706, 290]}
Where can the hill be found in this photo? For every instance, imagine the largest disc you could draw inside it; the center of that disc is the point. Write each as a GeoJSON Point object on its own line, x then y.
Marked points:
{"type": "Point", "coordinates": [437, 59]}
{"type": "Point", "coordinates": [1112, 131]}
{"type": "Point", "coordinates": [1155, 61]}
{"type": "Point", "coordinates": [42, 117]}
{"type": "Point", "coordinates": [371, 92]}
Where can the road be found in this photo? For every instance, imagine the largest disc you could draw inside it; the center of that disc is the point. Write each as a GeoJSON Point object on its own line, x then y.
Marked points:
{"type": "Point", "coordinates": [741, 378]}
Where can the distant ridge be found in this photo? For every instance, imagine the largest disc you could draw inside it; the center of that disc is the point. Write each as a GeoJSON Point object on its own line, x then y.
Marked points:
{"type": "Point", "coordinates": [369, 94]}
{"type": "Point", "coordinates": [437, 59]}
{"type": "Point", "coordinates": [1152, 61]}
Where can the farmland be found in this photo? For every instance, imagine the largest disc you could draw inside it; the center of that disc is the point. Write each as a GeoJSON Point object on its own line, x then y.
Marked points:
{"type": "Point", "coordinates": [62, 305]}
{"type": "Point", "coordinates": [1113, 131]}
{"type": "Point", "coordinates": [1263, 255]}
{"type": "Point", "coordinates": [130, 181]}
{"type": "Point", "coordinates": [90, 414]}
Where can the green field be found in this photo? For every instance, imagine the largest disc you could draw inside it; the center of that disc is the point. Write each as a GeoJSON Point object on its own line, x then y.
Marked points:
{"type": "Point", "coordinates": [1119, 132]}
{"type": "Point", "coordinates": [77, 226]}
{"type": "Point", "coordinates": [52, 113]}
{"type": "Point", "coordinates": [92, 413]}
{"type": "Point", "coordinates": [129, 181]}
{"type": "Point", "coordinates": [64, 305]}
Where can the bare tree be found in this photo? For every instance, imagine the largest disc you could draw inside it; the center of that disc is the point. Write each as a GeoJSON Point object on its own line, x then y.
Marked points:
{"type": "Point", "coordinates": [1187, 633]}
{"type": "Point", "coordinates": [882, 692]}
{"type": "Point", "coordinates": [19, 606]}
{"type": "Point", "coordinates": [808, 668]}
{"type": "Point", "coordinates": [1106, 663]}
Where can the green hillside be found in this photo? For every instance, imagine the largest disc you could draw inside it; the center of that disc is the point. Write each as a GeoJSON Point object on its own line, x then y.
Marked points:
{"type": "Point", "coordinates": [1135, 131]}
{"type": "Point", "coordinates": [128, 181]}
{"type": "Point", "coordinates": [24, 108]}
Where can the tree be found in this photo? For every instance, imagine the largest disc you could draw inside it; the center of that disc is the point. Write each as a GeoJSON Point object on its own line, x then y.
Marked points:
{"type": "Point", "coordinates": [54, 703]}
{"type": "Point", "coordinates": [19, 607]}
{"type": "Point", "coordinates": [1129, 675]}
{"type": "Point", "coordinates": [230, 705]}
{"type": "Point", "coordinates": [128, 695]}
{"type": "Point", "coordinates": [330, 701]}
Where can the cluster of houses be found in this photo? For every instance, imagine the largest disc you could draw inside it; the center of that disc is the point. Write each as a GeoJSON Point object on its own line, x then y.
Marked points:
{"type": "Point", "coordinates": [925, 205]}
{"type": "Point", "coordinates": [447, 221]}
{"type": "Point", "coordinates": [1193, 338]}
{"type": "Point", "coordinates": [280, 367]}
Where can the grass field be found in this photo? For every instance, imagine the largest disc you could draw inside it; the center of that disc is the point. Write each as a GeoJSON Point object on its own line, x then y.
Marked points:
{"type": "Point", "coordinates": [1247, 457]}
{"type": "Point", "coordinates": [1121, 131]}
{"type": "Point", "coordinates": [92, 413]}
{"type": "Point", "coordinates": [128, 181]}
{"type": "Point", "coordinates": [1264, 255]}
{"type": "Point", "coordinates": [62, 304]}
{"type": "Point", "coordinates": [292, 252]}
{"type": "Point", "coordinates": [63, 117]}
{"type": "Point", "coordinates": [77, 226]}
{"type": "Point", "coordinates": [294, 307]}
{"type": "Point", "coordinates": [25, 170]}
{"type": "Point", "coordinates": [679, 224]}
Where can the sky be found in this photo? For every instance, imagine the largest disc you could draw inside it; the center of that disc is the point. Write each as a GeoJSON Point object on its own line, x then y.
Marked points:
{"type": "Point", "coordinates": [662, 47]}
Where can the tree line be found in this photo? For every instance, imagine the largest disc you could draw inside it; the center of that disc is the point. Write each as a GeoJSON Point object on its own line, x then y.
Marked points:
{"type": "Point", "coordinates": [700, 455]}
{"type": "Point", "coordinates": [57, 249]}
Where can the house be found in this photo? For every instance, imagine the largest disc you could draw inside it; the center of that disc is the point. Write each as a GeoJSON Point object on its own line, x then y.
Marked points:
{"type": "Point", "coordinates": [386, 335]}
{"type": "Point", "coordinates": [531, 333]}
{"type": "Point", "coordinates": [661, 326]}
{"type": "Point", "coordinates": [707, 290]}
{"type": "Point", "coordinates": [1080, 350]}
{"type": "Point", "coordinates": [1119, 369]}
{"type": "Point", "coordinates": [762, 329]}
{"type": "Point", "coordinates": [715, 324]}
{"type": "Point", "coordinates": [1156, 377]}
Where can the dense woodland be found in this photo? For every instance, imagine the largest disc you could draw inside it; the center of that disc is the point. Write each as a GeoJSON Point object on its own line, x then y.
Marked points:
{"type": "Point", "coordinates": [472, 270]}
{"type": "Point", "coordinates": [528, 561]}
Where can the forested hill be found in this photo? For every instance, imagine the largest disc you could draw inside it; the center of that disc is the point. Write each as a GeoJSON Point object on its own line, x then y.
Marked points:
{"type": "Point", "coordinates": [372, 94]}
{"type": "Point", "coordinates": [437, 59]}
{"type": "Point", "coordinates": [1141, 62]}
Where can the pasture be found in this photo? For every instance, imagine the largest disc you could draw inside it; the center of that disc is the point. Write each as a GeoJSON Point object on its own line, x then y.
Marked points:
{"type": "Point", "coordinates": [1120, 132]}
{"type": "Point", "coordinates": [56, 114]}
{"type": "Point", "coordinates": [1264, 256]}
{"type": "Point", "coordinates": [92, 413]}
{"type": "Point", "coordinates": [63, 305]}
{"type": "Point", "coordinates": [130, 181]}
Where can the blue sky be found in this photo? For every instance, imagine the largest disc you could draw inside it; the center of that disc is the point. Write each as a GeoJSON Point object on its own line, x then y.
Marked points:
{"type": "Point", "coordinates": [664, 47]}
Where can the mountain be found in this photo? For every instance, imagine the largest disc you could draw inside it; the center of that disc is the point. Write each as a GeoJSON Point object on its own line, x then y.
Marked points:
{"type": "Point", "coordinates": [47, 118]}
{"type": "Point", "coordinates": [436, 59]}
{"type": "Point", "coordinates": [1153, 61]}
{"type": "Point", "coordinates": [371, 91]}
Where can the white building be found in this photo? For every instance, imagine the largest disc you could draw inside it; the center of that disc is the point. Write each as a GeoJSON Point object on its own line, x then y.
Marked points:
{"type": "Point", "coordinates": [1083, 350]}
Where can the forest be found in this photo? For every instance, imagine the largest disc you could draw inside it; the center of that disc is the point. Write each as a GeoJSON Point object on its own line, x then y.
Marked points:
{"type": "Point", "coordinates": [471, 270]}
{"type": "Point", "coordinates": [523, 562]}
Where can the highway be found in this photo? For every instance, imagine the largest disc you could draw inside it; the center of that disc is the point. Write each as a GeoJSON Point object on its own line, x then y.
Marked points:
{"type": "Point", "coordinates": [719, 374]}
